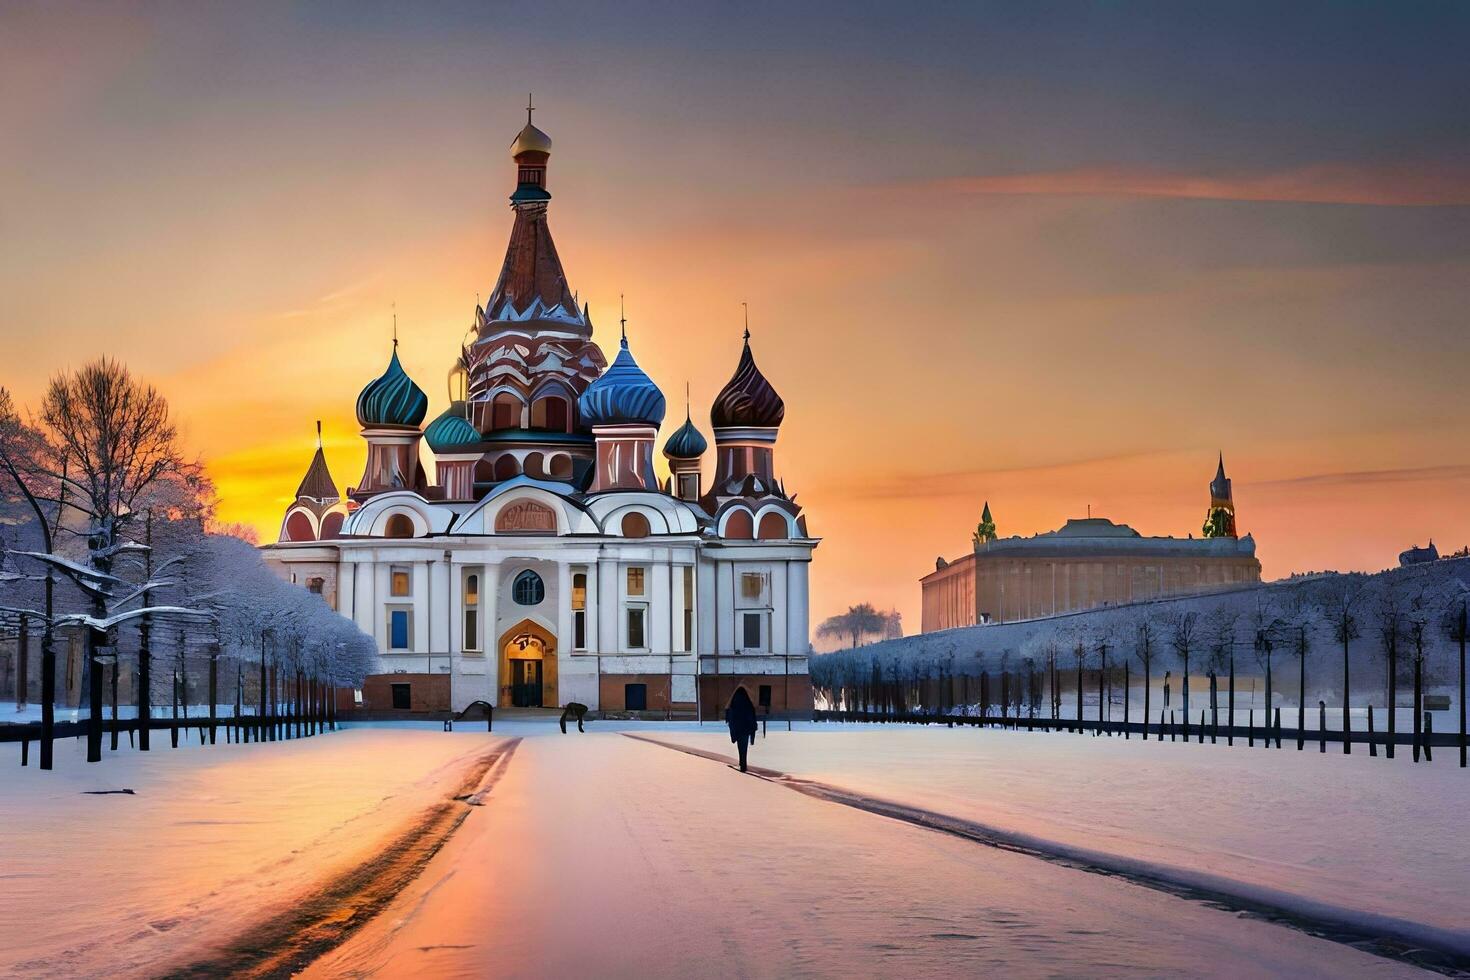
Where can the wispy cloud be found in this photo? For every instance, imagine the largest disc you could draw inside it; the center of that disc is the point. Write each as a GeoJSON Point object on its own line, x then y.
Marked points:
{"type": "Point", "coordinates": [1413, 474]}
{"type": "Point", "coordinates": [1408, 185]}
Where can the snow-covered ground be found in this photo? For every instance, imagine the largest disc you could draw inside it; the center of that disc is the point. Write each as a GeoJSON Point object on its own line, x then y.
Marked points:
{"type": "Point", "coordinates": [1358, 834]}
{"type": "Point", "coordinates": [600, 854]}
{"type": "Point", "coordinates": [212, 839]}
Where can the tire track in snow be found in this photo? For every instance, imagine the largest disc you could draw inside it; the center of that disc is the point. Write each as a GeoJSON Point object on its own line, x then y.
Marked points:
{"type": "Point", "coordinates": [285, 943]}
{"type": "Point", "coordinates": [1442, 951]}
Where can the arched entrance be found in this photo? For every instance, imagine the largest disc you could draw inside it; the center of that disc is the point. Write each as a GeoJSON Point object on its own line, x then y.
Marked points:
{"type": "Point", "coordinates": [528, 667]}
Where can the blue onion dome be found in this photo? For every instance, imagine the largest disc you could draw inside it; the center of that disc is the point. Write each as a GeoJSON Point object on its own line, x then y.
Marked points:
{"type": "Point", "coordinates": [393, 399]}
{"type": "Point", "coordinates": [451, 431]}
{"type": "Point", "coordinates": [686, 442]}
{"type": "Point", "coordinates": [748, 401]}
{"type": "Point", "coordinates": [624, 395]}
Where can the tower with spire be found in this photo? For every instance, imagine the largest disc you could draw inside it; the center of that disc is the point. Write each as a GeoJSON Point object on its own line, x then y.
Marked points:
{"type": "Point", "coordinates": [1220, 518]}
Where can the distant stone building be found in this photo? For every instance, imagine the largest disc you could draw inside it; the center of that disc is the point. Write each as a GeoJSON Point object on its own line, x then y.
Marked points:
{"type": "Point", "coordinates": [1418, 556]}
{"type": "Point", "coordinates": [1088, 562]}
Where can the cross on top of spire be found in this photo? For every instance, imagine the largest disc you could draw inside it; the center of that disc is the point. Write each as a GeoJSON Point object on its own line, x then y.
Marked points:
{"type": "Point", "coordinates": [623, 320]}
{"type": "Point", "coordinates": [746, 308]}
{"type": "Point", "coordinates": [529, 108]}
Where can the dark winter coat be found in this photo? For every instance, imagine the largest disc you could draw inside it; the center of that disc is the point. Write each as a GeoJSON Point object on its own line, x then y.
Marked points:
{"type": "Point", "coordinates": [740, 716]}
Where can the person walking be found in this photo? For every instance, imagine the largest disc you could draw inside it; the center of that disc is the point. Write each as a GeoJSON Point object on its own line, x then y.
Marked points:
{"type": "Point", "coordinates": [740, 716]}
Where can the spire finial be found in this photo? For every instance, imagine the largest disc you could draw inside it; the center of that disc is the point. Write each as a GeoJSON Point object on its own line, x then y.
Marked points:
{"type": "Point", "coordinates": [395, 324]}
{"type": "Point", "coordinates": [623, 320]}
{"type": "Point", "coordinates": [687, 417]}
{"type": "Point", "coordinates": [746, 307]}
{"type": "Point", "coordinates": [318, 433]}
{"type": "Point", "coordinates": [529, 108]}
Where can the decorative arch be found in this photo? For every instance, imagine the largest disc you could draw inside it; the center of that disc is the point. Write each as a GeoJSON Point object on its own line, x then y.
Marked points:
{"type": "Point", "coordinates": [559, 466]}
{"type": "Point", "coordinates": [399, 525]}
{"type": "Point", "coordinates": [774, 526]}
{"type": "Point", "coordinates": [506, 410]}
{"type": "Point", "coordinates": [527, 641]}
{"type": "Point", "coordinates": [332, 525]}
{"type": "Point", "coordinates": [534, 465]}
{"type": "Point", "coordinates": [299, 526]}
{"type": "Point", "coordinates": [739, 525]}
{"type": "Point", "coordinates": [635, 525]}
{"type": "Point", "coordinates": [525, 516]}
{"type": "Point", "coordinates": [507, 467]}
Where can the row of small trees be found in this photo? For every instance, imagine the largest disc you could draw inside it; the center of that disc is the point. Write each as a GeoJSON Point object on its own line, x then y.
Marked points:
{"type": "Point", "coordinates": [112, 538]}
{"type": "Point", "coordinates": [1404, 616]}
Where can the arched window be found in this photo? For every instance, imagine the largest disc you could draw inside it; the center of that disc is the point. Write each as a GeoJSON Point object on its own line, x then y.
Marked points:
{"type": "Point", "coordinates": [550, 413]}
{"type": "Point", "coordinates": [528, 589]}
{"type": "Point", "coordinates": [399, 526]}
{"type": "Point", "coordinates": [535, 466]}
{"type": "Point", "coordinates": [332, 526]}
{"type": "Point", "coordinates": [773, 528]}
{"type": "Point", "coordinates": [298, 527]}
{"type": "Point", "coordinates": [560, 467]}
{"type": "Point", "coordinates": [739, 526]}
{"type": "Point", "coordinates": [635, 525]}
{"type": "Point", "coordinates": [505, 412]}
{"type": "Point", "coordinates": [506, 468]}
{"type": "Point", "coordinates": [315, 585]}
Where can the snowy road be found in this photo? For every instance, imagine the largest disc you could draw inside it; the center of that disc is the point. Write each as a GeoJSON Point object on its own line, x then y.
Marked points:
{"type": "Point", "coordinates": [601, 855]}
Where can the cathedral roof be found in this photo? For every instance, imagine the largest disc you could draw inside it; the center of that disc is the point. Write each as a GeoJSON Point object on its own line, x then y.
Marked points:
{"type": "Point", "coordinates": [451, 431]}
{"type": "Point", "coordinates": [624, 395]}
{"type": "Point", "coordinates": [748, 400]}
{"type": "Point", "coordinates": [318, 483]}
{"type": "Point", "coordinates": [392, 399]}
{"type": "Point", "coordinates": [687, 442]}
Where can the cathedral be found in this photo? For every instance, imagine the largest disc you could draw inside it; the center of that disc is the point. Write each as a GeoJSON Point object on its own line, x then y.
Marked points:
{"type": "Point", "coordinates": [537, 559]}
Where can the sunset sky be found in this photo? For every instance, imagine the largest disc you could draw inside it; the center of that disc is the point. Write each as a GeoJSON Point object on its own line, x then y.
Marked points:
{"type": "Point", "coordinates": [1048, 255]}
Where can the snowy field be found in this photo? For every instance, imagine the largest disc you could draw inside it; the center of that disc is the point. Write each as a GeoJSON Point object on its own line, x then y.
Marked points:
{"type": "Point", "coordinates": [601, 854]}
{"type": "Point", "coordinates": [1359, 834]}
{"type": "Point", "coordinates": [212, 838]}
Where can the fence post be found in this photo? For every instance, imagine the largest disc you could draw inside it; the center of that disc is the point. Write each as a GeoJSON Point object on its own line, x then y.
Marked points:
{"type": "Point", "coordinates": [1321, 725]}
{"type": "Point", "coordinates": [1277, 723]}
{"type": "Point", "coordinates": [1202, 726]}
{"type": "Point", "coordinates": [1428, 734]}
{"type": "Point", "coordinates": [1250, 729]}
{"type": "Point", "coordinates": [1372, 740]}
{"type": "Point", "coordinates": [1171, 725]}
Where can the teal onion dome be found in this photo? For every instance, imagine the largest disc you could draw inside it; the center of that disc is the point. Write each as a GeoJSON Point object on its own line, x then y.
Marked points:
{"type": "Point", "coordinates": [686, 442]}
{"type": "Point", "coordinates": [624, 395]}
{"type": "Point", "coordinates": [451, 431]}
{"type": "Point", "coordinates": [392, 399]}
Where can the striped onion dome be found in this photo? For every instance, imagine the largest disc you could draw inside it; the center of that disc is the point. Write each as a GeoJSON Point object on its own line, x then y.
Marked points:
{"type": "Point", "coordinates": [748, 400]}
{"type": "Point", "coordinates": [686, 442]}
{"type": "Point", "coordinates": [392, 399]}
{"type": "Point", "coordinates": [624, 395]}
{"type": "Point", "coordinates": [451, 431]}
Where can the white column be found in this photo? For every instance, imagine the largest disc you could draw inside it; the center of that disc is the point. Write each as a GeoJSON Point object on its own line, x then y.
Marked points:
{"type": "Point", "coordinates": [563, 609]}
{"type": "Point", "coordinates": [658, 606]}
{"type": "Point", "coordinates": [593, 578]}
{"type": "Point", "coordinates": [779, 599]}
{"type": "Point", "coordinates": [455, 637]}
{"type": "Point", "coordinates": [490, 629]}
{"type": "Point", "coordinates": [724, 607]}
{"type": "Point", "coordinates": [608, 639]}
{"type": "Point", "coordinates": [421, 612]}
{"type": "Point", "coordinates": [705, 605]}
{"type": "Point", "coordinates": [798, 640]}
{"type": "Point", "coordinates": [346, 582]}
{"type": "Point", "coordinates": [381, 582]}
{"type": "Point", "coordinates": [440, 591]}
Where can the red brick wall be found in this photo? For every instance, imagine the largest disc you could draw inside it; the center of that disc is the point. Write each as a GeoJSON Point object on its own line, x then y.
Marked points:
{"type": "Point", "coordinates": [427, 692]}
{"type": "Point", "coordinates": [715, 692]}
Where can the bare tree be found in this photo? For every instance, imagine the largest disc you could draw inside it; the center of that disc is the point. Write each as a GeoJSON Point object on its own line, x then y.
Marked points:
{"type": "Point", "coordinates": [1145, 642]}
{"type": "Point", "coordinates": [1340, 610]}
{"type": "Point", "coordinates": [106, 440]}
{"type": "Point", "coordinates": [1184, 638]}
{"type": "Point", "coordinates": [1300, 619]}
{"type": "Point", "coordinates": [1266, 630]}
{"type": "Point", "coordinates": [1389, 622]}
{"type": "Point", "coordinates": [859, 621]}
{"type": "Point", "coordinates": [1220, 634]}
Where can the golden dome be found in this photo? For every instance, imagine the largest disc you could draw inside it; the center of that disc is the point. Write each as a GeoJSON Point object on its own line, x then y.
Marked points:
{"type": "Point", "coordinates": [530, 140]}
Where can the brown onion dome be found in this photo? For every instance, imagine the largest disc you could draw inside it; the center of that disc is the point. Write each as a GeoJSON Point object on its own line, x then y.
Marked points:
{"type": "Point", "coordinates": [748, 401]}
